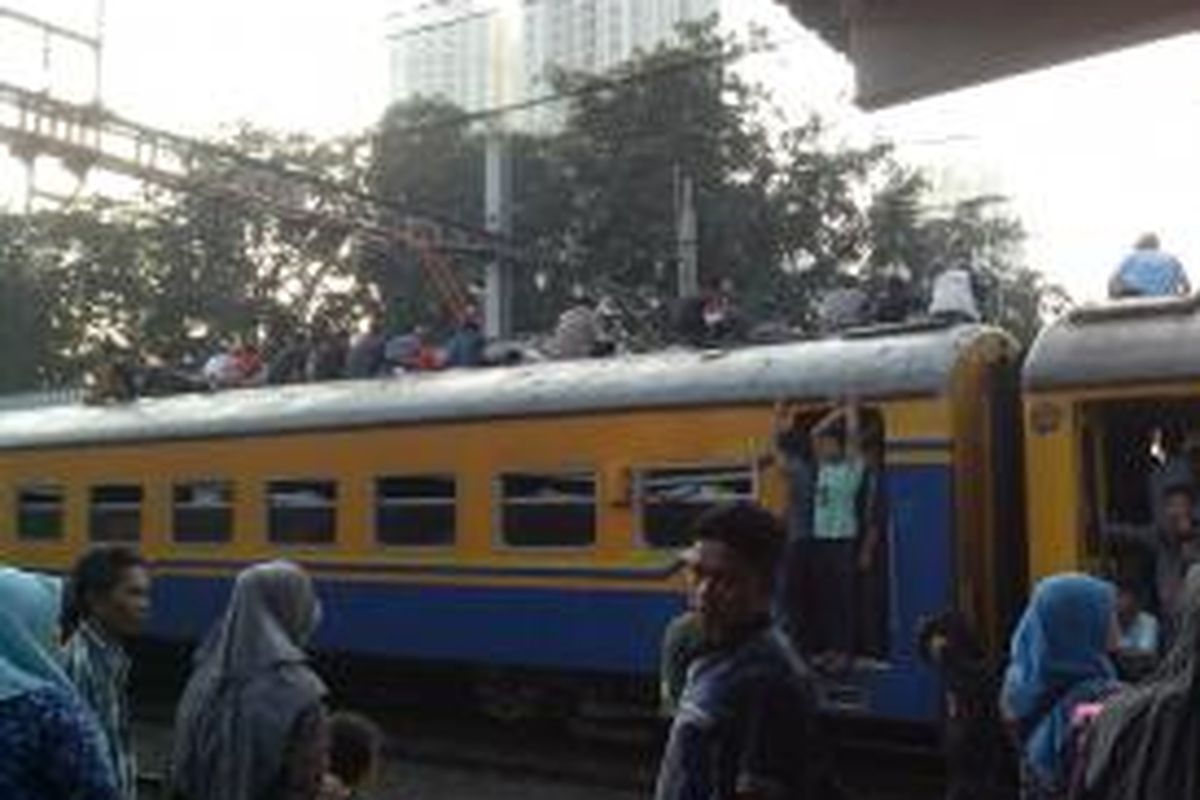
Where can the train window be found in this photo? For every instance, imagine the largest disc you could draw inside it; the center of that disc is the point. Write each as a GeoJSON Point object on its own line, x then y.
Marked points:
{"type": "Point", "coordinates": [415, 511]}
{"type": "Point", "coordinates": [302, 512]}
{"type": "Point", "coordinates": [116, 513]}
{"type": "Point", "coordinates": [40, 512]}
{"type": "Point", "coordinates": [203, 512]}
{"type": "Point", "coordinates": [548, 510]}
{"type": "Point", "coordinates": [670, 499]}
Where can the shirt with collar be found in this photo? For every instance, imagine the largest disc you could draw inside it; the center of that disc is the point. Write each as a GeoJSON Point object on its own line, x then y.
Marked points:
{"type": "Point", "coordinates": [747, 723]}
{"type": "Point", "coordinates": [99, 667]}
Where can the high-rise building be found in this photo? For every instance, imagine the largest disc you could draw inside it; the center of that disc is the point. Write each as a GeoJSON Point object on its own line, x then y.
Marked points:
{"type": "Point", "coordinates": [479, 54]}
{"type": "Point", "coordinates": [454, 50]}
{"type": "Point", "coordinates": [594, 36]}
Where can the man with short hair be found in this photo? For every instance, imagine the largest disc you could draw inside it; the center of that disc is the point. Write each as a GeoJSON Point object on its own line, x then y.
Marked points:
{"type": "Point", "coordinates": [1171, 546]}
{"type": "Point", "coordinates": [1149, 272]}
{"type": "Point", "coordinates": [746, 726]}
{"type": "Point", "coordinates": [110, 599]}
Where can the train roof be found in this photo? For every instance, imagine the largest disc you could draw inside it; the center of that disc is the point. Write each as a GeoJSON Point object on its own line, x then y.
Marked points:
{"type": "Point", "coordinates": [866, 364]}
{"type": "Point", "coordinates": [1123, 342]}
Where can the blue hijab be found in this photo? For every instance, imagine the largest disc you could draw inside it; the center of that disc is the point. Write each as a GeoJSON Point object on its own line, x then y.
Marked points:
{"type": "Point", "coordinates": [1058, 659]}
{"type": "Point", "coordinates": [29, 608]}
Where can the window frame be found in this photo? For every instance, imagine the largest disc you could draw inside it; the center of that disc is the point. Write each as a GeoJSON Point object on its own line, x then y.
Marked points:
{"type": "Point", "coordinates": [640, 474]}
{"type": "Point", "coordinates": [336, 504]}
{"type": "Point", "coordinates": [231, 506]}
{"type": "Point", "coordinates": [500, 503]}
{"type": "Point", "coordinates": [377, 503]}
{"type": "Point", "coordinates": [19, 489]}
{"type": "Point", "coordinates": [93, 506]}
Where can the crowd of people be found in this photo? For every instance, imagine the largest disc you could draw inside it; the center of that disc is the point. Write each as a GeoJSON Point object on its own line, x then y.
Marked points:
{"type": "Point", "coordinates": [252, 724]}
{"type": "Point", "coordinates": [1097, 672]}
{"type": "Point", "coordinates": [590, 326]}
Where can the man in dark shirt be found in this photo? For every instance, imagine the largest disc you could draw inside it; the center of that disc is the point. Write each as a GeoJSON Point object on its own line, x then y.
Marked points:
{"type": "Point", "coordinates": [746, 726]}
{"type": "Point", "coordinates": [1171, 547]}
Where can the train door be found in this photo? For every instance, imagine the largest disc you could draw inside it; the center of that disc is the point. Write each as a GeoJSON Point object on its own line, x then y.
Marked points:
{"type": "Point", "coordinates": [1009, 557]}
{"type": "Point", "coordinates": [1133, 451]}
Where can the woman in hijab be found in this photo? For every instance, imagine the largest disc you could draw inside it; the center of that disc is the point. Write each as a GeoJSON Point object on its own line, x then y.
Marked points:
{"type": "Point", "coordinates": [50, 746]}
{"type": "Point", "coordinates": [1146, 741]}
{"type": "Point", "coordinates": [1058, 663]}
{"type": "Point", "coordinates": [251, 724]}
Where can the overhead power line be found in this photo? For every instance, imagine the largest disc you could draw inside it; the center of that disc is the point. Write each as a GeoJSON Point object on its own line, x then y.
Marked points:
{"type": "Point", "coordinates": [595, 84]}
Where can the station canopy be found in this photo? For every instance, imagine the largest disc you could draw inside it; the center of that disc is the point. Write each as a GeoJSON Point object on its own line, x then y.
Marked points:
{"type": "Point", "coordinates": [908, 49]}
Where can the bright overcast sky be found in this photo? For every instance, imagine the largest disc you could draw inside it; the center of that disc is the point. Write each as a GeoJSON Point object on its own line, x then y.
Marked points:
{"type": "Point", "coordinates": [1091, 153]}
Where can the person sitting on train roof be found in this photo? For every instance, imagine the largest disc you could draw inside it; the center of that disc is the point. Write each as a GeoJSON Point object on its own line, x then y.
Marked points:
{"type": "Point", "coordinates": [747, 725]}
{"type": "Point", "coordinates": [1058, 663]}
{"type": "Point", "coordinates": [844, 306]}
{"type": "Point", "coordinates": [110, 600]}
{"type": "Point", "coordinates": [1149, 272]}
{"type": "Point", "coordinates": [1172, 546]}
{"type": "Point", "coordinates": [366, 356]}
{"type": "Point", "coordinates": [1143, 744]}
{"type": "Point", "coordinates": [327, 356]}
{"type": "Point", "coordinates": [51, 747]}
{"type": "Point", "coordinates": [466, 345]}
{"type": "Point", "coordinates": [578, 329]}
{"type": "Point", "coordinates": [953, 297]}
{"type": "Point", "coordinates": [251, 723]}
{"type": "Point", "coordinates": [412, 352]}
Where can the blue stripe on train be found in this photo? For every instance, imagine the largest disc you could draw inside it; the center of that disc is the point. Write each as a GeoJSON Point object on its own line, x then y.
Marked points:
{"type": "Point", "coordinates": [601, 630]}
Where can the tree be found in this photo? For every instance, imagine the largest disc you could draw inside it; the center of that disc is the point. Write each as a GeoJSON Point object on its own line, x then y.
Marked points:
{"type": "Point", "coordinates": [249, 251]}
{"type": "Point", "coordinates": [27, 335]}
{"type": "Point", "coordinates": [978, 233]}
{"type": "Point", "coordinates": [174, 275]}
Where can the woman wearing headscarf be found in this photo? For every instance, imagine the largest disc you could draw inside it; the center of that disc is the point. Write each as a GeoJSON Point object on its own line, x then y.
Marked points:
{"type": "Point", "coordinates": [251, 724]}
{"type": "Point", "coordinates": [1146, 741]}
{"type": "Point", "coordinates": [50, 746]}
{"type": "Point", "coordinates": [1058, 663]}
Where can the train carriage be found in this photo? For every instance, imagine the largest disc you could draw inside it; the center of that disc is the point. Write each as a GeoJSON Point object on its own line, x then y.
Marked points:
{"type": "Point", "coordinates": [1102, 388]}
{"type": "Point", "coordinates": [529, 518]}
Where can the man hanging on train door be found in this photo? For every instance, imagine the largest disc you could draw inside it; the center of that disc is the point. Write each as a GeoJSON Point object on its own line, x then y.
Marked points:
{"type": "Point", "coordinates": [834, 555]}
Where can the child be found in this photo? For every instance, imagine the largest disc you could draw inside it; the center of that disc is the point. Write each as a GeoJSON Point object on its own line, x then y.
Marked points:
{"type": "Point", "coordinates": [837, 449]}
{"type": "Point", "coordinates": [355, 752]}
{"type": "Point", "coordinates": [1139, 637]}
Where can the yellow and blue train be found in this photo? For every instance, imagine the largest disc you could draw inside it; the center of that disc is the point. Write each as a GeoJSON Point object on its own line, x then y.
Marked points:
{"type": "Point", "coordinates": [529, 518]}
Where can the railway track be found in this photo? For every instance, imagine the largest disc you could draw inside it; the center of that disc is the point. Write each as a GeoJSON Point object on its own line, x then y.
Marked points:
{"type": "Point", "coordinates": [466, 754]}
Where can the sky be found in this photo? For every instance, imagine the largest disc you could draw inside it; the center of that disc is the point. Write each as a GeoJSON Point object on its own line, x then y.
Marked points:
{"type": "Point", "coordinates": [1091, 153]}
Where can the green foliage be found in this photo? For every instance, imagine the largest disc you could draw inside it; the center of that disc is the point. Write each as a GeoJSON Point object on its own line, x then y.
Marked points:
{"type": "Point", "coordinates": [783, 212]}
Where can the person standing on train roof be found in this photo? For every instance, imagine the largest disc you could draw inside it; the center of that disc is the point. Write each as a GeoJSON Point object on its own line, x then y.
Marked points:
{"type": "Point", "coordinates": [251, 724]}
{"type": "Point", "coordinates": [747, 724]}
{"type": "Point", "coordinates": [109, 602]}
{"type": "Point", "coordinates": [50, 745]}
{"type": "Point", "coordinates": [1059, 665]}
{"type": "Point", "coordinates": [836, 552]}
{"type": "Point", "coordinates": [1149, 272]}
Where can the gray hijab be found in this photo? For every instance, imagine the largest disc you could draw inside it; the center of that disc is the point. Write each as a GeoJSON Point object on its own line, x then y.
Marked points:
{"type": "Point", "coordinates": [1146, 742]}
{"type": "Point", "coordinates": [250, 684]}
